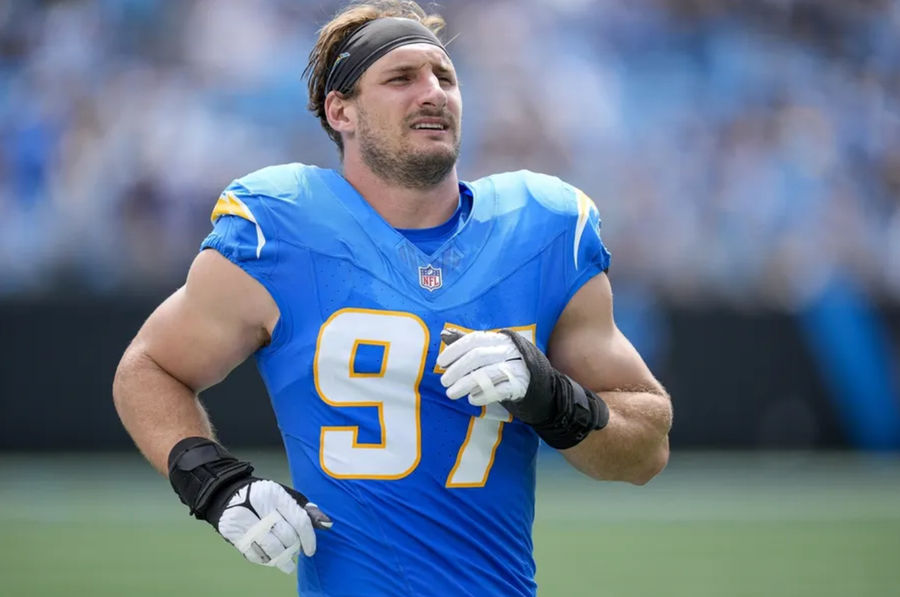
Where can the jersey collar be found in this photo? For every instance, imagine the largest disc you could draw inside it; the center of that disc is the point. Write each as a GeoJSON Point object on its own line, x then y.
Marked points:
{"type": "Point", "coordinates": [450, 260]}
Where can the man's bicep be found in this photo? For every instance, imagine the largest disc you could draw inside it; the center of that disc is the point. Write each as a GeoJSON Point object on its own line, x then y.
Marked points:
{"type": "Point", "coordinates": [587, 345]}
{"type": "Point", "coordinates": [210, 325]}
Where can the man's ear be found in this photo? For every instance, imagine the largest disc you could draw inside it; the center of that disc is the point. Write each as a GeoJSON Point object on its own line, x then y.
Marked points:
{"type": "Point", "coordinates": [340, 112]}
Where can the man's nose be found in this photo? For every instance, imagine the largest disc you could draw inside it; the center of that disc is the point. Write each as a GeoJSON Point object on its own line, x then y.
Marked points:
{"type": "Point", "coordinates": [433, 93]}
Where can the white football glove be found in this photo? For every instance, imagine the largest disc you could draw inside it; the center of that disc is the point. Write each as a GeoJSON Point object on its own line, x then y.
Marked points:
{"type": "Point", "coordinates": [265, 521]}
{"type": "Point", "coordinates": [485, 365]}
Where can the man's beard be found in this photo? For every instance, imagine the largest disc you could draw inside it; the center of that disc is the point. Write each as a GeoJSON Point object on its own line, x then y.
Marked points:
{"type": "Point", "coordinates": [410, 169]}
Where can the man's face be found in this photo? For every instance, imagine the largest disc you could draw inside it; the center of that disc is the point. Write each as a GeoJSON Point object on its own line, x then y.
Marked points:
{"type": "Point", "coordinates": [408, 116]}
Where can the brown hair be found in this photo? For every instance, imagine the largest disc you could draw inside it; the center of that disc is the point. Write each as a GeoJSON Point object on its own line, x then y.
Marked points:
{"type": "Point", "coordinates": [335, 31]}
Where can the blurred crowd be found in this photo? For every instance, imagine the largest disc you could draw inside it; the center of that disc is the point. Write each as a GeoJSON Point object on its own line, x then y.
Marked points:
{"type": "Point", "coordinates": [744, 152]}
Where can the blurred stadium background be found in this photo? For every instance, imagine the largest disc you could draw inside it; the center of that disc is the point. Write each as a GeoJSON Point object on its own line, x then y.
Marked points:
{"type": "Point", "coordinates": [745, 158]}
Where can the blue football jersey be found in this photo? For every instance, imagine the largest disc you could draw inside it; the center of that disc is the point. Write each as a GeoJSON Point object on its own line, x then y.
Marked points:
{"type": "Point", "coordinates": [429, 496]}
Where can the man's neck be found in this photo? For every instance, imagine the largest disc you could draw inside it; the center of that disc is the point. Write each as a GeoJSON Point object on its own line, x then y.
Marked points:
{"type": "Point", "coordinates": [400, 206]}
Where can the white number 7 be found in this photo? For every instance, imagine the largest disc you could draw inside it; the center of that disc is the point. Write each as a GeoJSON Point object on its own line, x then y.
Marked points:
{"type": "Point", "coordinates": [476, 455]}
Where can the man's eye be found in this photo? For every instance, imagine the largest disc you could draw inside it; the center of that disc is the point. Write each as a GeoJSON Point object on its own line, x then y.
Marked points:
{"type": "Point", "coordinates": [398, 78]}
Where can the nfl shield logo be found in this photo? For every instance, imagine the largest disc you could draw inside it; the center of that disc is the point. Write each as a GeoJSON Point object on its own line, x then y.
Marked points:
{"type": "Point", "coordinates": [430, 278]}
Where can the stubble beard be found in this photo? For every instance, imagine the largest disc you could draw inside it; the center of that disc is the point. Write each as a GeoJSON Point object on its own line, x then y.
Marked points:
{"type": "Point", "coordinates": [404, 165]}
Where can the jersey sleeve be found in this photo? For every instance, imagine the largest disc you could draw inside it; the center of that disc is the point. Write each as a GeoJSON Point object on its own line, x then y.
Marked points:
{"type": "Point", "coordinates": [243, 231]}
{"type": "Point", "coordinates": [587, 255]}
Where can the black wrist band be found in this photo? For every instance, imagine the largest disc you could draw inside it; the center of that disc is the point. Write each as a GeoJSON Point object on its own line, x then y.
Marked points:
{"type": "Point", "coordinates": [578, 412]}
{"type": "Point", "coordinates": [561, 411]}
{"type": "Point", "coordinates": [199, 468]}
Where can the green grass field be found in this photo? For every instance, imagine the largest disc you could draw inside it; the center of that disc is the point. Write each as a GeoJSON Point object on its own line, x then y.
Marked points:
{"type": "Point", "coordinates": [798, 525]}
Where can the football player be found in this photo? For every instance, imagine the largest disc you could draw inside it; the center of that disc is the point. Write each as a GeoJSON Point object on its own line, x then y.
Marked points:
{"type": "Point", "coordinates": [418, 335]}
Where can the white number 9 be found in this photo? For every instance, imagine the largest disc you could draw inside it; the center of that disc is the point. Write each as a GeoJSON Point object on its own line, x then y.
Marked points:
{"type": "Point", "coordinates": [394, 391]}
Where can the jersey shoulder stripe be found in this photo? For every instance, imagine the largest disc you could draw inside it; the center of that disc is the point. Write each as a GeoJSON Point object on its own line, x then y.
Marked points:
{"type": "Point", "coordinates": [556, 207]}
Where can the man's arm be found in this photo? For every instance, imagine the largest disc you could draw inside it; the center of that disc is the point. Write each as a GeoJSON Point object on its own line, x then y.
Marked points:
{"type": "Point", "coordinates": [587, 346]}
{"type": "Point", "coordinates": [592, 397]}
{"type": "Point", "coordinates": [191, 342]}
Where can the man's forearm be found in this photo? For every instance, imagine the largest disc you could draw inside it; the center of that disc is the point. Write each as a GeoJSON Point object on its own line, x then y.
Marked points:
{"type": "Point", "coordinates": [634, 446]}
{"type": "Point", "coordinates": [156, 409]}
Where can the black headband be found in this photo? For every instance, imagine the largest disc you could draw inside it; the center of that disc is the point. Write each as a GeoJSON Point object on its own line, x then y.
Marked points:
{"type": "Point", "coordinates": [369, 43]}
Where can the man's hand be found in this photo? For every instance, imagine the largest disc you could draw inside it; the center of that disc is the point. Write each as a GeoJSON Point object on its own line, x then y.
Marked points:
{"type": "Point", "coordinates": [504, 367]}
{"type": "Point", "coordinates": [267, 522]}
{"type": "Point", "coordinates": [495, 367]}
{"type": "Point", "coordinates": [485, 365]}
